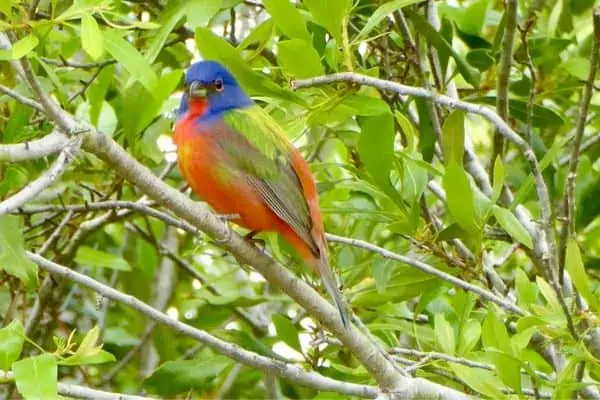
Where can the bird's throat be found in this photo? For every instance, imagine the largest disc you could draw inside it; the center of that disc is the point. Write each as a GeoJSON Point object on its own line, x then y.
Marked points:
{"type": "Point", "coordinates": [197, 107]}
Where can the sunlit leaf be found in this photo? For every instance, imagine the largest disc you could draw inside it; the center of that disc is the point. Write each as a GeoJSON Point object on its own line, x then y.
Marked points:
{"type": "Point", "coordinates": [36, 377]}
{"type": "Point", "coordinates": [444, 334]}
{"type": "Point", "coordinates": [460, 198]}
{"type": "Point", "coordinates": [288, 19]}
{"type": "Point", "coordinates": [381, 13]}
{"type": "Point", "coordinates": [329, 14]}
{"type": "Point", "coordinates": [91, 37]}
{"type": "Point", "coordinates": [574, 264]}
{"type": "Point", "coordinates": [511, 224]}
{"type": "Point", "coordinates": [97, 258]}
{"type": "Point", "coordinates": [131, 59]}
{"type": "Point", "coordinates": [11, 343]}
{"type": "Point", "coordinates": [299, 59]}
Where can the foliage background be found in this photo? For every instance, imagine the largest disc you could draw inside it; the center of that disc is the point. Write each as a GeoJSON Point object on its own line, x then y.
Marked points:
{"type": "Point", "coordinates": [395, 171]}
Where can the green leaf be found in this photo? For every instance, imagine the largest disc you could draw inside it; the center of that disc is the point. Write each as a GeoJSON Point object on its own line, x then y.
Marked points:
{"type": "Point", "coordinates": [578, 67]}
{"type": "Point", "coordinates": [213, 47]}
{"type": "Point", "coordinates": [381, 269]}
{"type": "Point", "coordinates": [470, 74]}
{"type": "Point", "coordinates": [169, 18]}
{"type": "Point", "coordinates": [543, 117]}
{"type": "Point", "coordinates": [469, 336]}
{"type": "Point", "coordinates": [481, 381]}
{"type": "Point", "coordinates": [376, 149]}
{"type": "Point", "coordinates": [174, 377]}
{"type": "Point", "coordinates": [287, 332]}
{"type": "Point", "coordinates": [481, 59]}
{"type": "Point", "coordinates": [138, 67]}
{"type": "Point", "coordinates": [459, 198]}
{"type": "Point", "coordinates": [549, 294]}
{"type": "Point", "coordinates": [11, 343]}
{"type": "Point", "coordinates": [91, 37]}
{"type": "Point", "coordinates": [13, 259]}
{"type": "Point", "coordinates": [36, 377]}
{"type": "Point", "coordinates": [199, 12]}
{"type": "Point", "coordinates": [498, 179]}
{"type": "Point", "coordinates": [299, 59]}
{"type": "Point", "coordinates": [288, 19]}
{"type": "Point", "coordinates": [414, 179]}
{"type": "Point", "coordinates": [494, 334]}
{"type": "Point", "coordinates": [508, 369]}
{"type": "Point", "coordinates": [574, 264]}
{"type": "Point", "coordinates": [468, 19]}
{"type": "Point", "coordinates": [511, 224]}
{"type": "Point", "coordinates": [380, 14]}
{"type": "Point", "coordinates": [366, 105]}
{"type": "Point", "coordinates": [329, 14]}
{"type": "Point", "coordinates": [97, 258]}
{"type": "Point", "coordinates": [453, 138]}
{"type": "Point", "coordinates": [444, 334]}
{"type": "Point", "coordinates": [526, 289]}
{"type": "Point", "coordinates": [427, 135]}
{"type": "Point", "coordinates": [20, 49]}
{"type": "Point", "coordinates": [88, 352]}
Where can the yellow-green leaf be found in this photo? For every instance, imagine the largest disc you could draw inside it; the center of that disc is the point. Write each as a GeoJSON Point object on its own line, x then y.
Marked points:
{"type": "Point", "coordinates": [511, 224]}
{"type": "Point", "coordinates": [96, 258]}
{"type": "Point", "coordinates": [574, 264]}
{"type": "Point", "coordinates": [128, 56]}
{"type": "Point", "coordinates": [91, 37]}
{"type": "Point", "coordinates": [36, 377]}
{"type": "Point", "coordinates": [498, 179]}
{"type": "Point", "coordinates": [288, 19]}
{"type": "Point", "coordinates": [460, 200]}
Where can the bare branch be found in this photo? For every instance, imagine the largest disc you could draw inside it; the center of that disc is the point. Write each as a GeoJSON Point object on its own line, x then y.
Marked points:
{"type": "Point", "coordinates": [33, 189]}
{"type": "Point", "coordinates": [291, 372]}
{"type": "Point", "coordinates": [49, 144]}
{"type": "Point", "coordinates": [21, 99]}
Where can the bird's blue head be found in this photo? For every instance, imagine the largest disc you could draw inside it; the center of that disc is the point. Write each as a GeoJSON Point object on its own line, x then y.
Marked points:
{"type": "Point", "coordinates": [210, 84]}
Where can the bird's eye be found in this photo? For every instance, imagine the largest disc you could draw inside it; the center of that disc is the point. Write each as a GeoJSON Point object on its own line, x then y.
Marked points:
{"type": "Point", "coordinates": [219, 85]}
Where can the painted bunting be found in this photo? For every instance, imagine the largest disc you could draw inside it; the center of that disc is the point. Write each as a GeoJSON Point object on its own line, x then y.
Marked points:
{"type": "Point", "coordinates": [237, 158]}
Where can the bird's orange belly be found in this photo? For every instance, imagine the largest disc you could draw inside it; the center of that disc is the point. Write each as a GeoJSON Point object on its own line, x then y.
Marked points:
{"type": "Point", "coordinates": [224, 189]}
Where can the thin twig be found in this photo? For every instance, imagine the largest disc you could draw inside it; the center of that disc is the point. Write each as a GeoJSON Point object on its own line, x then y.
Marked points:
{"type": "Point", "coordinates": [33, 189]}
{"type": "Point", "coordinates": [428, 269]}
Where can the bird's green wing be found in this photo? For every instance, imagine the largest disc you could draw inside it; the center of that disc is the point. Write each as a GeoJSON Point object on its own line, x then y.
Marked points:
{"type": "Point", "coordinates": [258, 147]}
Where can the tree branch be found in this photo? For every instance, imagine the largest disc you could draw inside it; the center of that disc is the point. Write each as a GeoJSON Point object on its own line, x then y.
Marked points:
{"type": "Point", "coordinates": [49, 144]}
{"type": "Point", "coordinates": [33, 189]}
{"type": "Point", "coordinates": [291, 372]}
{"type": "Point", "coordinates": [428, 269]}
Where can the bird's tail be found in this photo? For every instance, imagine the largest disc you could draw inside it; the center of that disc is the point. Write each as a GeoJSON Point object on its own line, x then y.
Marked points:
{"type": "Point", "coordinates": [330, 283]}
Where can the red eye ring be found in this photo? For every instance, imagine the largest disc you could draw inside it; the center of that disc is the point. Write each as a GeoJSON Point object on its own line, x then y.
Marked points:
{"type": "Point", "coordinates": [219, 85]}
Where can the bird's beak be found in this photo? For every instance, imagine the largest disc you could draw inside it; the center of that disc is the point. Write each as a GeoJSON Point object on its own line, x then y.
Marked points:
{"type": "Point", "coordinates": [197, 90]}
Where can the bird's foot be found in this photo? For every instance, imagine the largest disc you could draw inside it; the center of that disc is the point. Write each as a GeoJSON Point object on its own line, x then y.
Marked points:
{"type": "Point", "coordinates": [260, 243]}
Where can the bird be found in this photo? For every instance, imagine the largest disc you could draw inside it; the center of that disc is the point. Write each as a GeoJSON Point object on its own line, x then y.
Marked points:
{"type": "Point", "coordinates": [238, 159]}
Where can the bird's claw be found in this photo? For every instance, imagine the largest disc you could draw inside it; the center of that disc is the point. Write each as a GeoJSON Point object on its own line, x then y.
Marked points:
{"type": "Point", "coordinates": [260, 243]}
